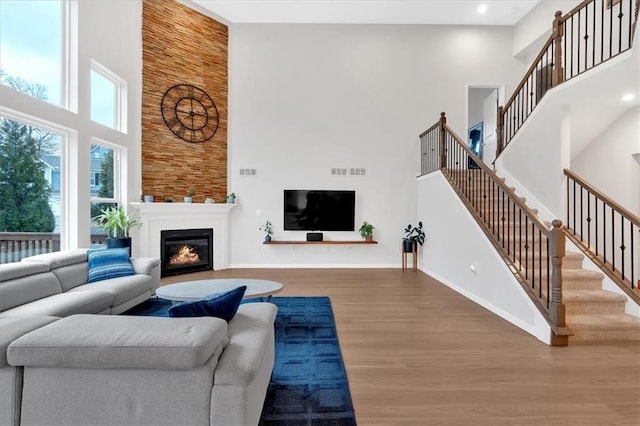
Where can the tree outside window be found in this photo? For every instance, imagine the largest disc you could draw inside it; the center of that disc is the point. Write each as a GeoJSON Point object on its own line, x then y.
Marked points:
{"type": "Point", "coordinates": [29, 160]}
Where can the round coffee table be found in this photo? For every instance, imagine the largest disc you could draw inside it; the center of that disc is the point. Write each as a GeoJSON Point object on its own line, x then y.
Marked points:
{"type": "Point", "coordinates": [199, 289]}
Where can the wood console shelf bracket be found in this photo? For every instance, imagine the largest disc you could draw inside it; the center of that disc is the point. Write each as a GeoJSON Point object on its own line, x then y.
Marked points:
{"type": "Point", "coordinates": [319, 242]}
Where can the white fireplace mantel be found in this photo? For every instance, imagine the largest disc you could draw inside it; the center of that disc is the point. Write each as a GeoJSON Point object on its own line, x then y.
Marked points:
{"type": "Point", "coordinates": [157, 217]}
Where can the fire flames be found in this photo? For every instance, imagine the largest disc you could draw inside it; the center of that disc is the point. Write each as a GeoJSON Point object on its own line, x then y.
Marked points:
{"type": "Point", "coordinates": [186, 254]}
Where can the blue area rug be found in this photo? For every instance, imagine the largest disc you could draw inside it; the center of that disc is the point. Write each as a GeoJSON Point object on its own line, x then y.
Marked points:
{"type": "Point", "coordinates": [309, 384]}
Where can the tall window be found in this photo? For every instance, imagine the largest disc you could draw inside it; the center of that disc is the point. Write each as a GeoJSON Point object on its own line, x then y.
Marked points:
{"type": "Point", "coordinates": [30, 190]}
{"type": "Point", "coordinates": [31, 47]}
{"type": "Point", "coordinates": [108, 93]}
{"type": "Point", "coordinates": [45, 160]}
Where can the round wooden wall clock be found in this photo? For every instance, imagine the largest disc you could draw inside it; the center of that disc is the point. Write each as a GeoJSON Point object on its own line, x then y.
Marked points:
{"type": "Point", "coordinates": [190, 113]}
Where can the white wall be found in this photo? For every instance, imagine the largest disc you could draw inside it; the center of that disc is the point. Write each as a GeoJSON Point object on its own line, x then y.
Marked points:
{"type": "Point", "coordinates": [530, 33]}
{"type": "Point", "coordinates": [619, 177]}
{"type": "Point", "coordinates": [455, 244]}
{"type": "Point", "coordinates": [306, 98]}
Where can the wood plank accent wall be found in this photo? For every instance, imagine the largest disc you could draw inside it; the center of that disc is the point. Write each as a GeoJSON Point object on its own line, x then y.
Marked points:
{"type": "Point", "coordinates": [180, 45]}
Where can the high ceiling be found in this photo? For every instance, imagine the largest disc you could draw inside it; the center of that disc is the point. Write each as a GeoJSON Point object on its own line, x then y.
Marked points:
{"type": "Point", "coordinates": [435, 12]}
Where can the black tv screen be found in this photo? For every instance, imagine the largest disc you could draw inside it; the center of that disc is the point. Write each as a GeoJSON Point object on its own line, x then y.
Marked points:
{"type": "Point", "coordinates": [316, 210]}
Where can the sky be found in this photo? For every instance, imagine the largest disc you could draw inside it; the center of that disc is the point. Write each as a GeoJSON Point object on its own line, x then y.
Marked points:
{"type": "Point", "coordinates": [31, 48]}
{"type": "Point", "coordinates": [31, 42]}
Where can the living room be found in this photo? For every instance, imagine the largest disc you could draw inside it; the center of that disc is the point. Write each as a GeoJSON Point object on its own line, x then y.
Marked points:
{"type": "Point", "coordinates": [303, 99]}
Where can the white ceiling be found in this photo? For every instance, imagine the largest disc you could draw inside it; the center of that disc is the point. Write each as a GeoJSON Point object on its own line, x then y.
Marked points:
{"type": "Point", "coordinates": [435, 12]}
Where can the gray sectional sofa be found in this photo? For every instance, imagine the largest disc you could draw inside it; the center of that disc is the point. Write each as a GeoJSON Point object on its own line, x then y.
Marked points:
{"type": "Point", "coordinates": [56, 284]}
{"type": "Point", "coordinates": [65, 359]}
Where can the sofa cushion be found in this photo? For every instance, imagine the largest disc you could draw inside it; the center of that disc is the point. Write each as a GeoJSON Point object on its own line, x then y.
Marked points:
{"type": "Point", "coordinates": [13, 327]}
{"type": "Point", "coordinates": [250, 332]}
{"type": "Point", "coordinates": [71, 276]}
{"type": "Point", "coordinates": [223, 305]}
{"type": "Point", "coordinates": [27, 288]}
{"type": "Point", "coordinates": [11, 271]}
{"type": "Point", "coordinates": [122, 289]}
{"type": "Point", "coordinates": [144, 265]}
{"type": "Point", "coordinates": [65, 304]}
{"type": "Point", "coordinates": [105, 264]}
{"type": "Point", "coordinates": [59, 258]}
{"type": "Point", "coordinates": [99, 341]}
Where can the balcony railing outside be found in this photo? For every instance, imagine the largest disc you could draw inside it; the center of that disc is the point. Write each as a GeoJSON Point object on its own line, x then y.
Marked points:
{"type": "Point", "coordinates": [605, 231]}
{"type": "Point", "coordinates": [532, 250]}
{"type": "Point", "coordinates": [589, 35]}
{"type": "Point", "coordinates": [15, 246]}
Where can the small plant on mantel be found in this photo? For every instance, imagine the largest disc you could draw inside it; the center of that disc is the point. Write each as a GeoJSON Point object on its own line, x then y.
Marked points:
{"type": "Point", "coordinates": [366, 231]}
{"type": "Point", "coordinates": [267, 228]}
{"type": "Point", "coordinates": [189, 197]}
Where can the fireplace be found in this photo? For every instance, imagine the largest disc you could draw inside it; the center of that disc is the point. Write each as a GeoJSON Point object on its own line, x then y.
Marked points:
{"type": "Point", "coordinates": [186, 250]}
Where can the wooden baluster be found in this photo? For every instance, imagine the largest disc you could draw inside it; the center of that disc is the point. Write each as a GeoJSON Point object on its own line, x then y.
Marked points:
{"type": "Point", "coordinates": [499, 132]}
{"type": "Point", "coordinates": [557, 252]}
{"type": "Point", "coordinates": [443, 152]}
{"type": "Point", "coordinates": [558, 33]}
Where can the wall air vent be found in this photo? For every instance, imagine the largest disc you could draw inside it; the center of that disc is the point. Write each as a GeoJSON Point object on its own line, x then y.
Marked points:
{"type": "Point", "coordinates": [247, 172]}
{"type": "Point", "coordinates": [357, 172]}
{"type": "Point", "coordinates": [338, 171]}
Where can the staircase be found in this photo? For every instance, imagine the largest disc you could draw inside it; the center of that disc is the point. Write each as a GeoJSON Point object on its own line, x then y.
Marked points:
{"type": "Point", "coordinates": [572, 299]}
{"type": "Point", "coordinates": [592, 313]}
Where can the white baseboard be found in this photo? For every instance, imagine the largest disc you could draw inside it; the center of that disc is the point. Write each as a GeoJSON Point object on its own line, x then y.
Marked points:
{"type": "Point", "coordinates": [313, 265]}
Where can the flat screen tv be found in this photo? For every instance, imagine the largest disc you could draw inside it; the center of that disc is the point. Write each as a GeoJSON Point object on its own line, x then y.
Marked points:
{"type": "Point", "coordinates": [317, 210]}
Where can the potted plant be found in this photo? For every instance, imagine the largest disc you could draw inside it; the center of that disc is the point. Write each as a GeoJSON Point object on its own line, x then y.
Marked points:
{"type": "Point", "coordinates": [231, 198]}
{"type": "Point", "coordinates": [366, 231]}
{"type": "Point", "coordinates": [413, 235]}
{"type": "Point", "coordinates": [267, 229]}
{"type": "Point", "coordinates": [117, 223]}
{"type": "Point", "coordinates": [189, 197]}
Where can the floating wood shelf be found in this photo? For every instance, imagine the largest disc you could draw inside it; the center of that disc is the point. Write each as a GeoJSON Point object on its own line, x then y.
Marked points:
{"type": "Point", "coordinates": [282, 242]}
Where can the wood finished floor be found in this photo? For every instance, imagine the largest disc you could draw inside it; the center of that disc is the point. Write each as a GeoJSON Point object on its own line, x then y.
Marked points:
{"type": "Point", "coordinates": [417, 353]}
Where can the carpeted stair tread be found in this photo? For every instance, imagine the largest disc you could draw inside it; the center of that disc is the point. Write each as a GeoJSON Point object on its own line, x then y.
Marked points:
{"type": "Point", "coordinates": [604, 328]}
{"type": "Point", "coordinates": [584, 274]}
{"type": "Point", "coordinates": [605, 322]}
{"type": "Point", "coordinates": [591, 296]}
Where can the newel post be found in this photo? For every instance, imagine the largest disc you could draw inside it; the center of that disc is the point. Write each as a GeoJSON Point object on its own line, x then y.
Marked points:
{"type": "Point", "coordinates": [443, 146]}
{"type": "Point", "coordinates": [557, 76]}
{"type": "Point", "coordinates": [500, 131]}
{"type": "Point", "coordinates": [557, 252]}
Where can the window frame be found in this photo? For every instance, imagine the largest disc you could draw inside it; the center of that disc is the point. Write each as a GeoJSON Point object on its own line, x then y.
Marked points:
{"type": "Point", "coordinates": [66, 137]}
{"type": "Point", "coordinates": [120, 95]}
{"type": "Point", "coordinates": [117, 172]}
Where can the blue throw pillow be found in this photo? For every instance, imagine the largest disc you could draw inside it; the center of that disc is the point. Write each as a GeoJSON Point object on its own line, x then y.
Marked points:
{"type": "Point", "coordinates": [109, 263]}
{"type": "Point", "coordinates": [223, 305]}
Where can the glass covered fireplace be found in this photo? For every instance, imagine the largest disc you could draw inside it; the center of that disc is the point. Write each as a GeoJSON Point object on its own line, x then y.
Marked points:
{"type": "Point", "coordinates": [186, 250]}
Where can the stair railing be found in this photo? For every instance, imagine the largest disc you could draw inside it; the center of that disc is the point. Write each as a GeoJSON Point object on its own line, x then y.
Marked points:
{"type": "Point", "coordinates": [605, 231]}
{"type": "Point", "coordinates": [531, 249]}
{"type": "Point", "coordinates": [589, 35]}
